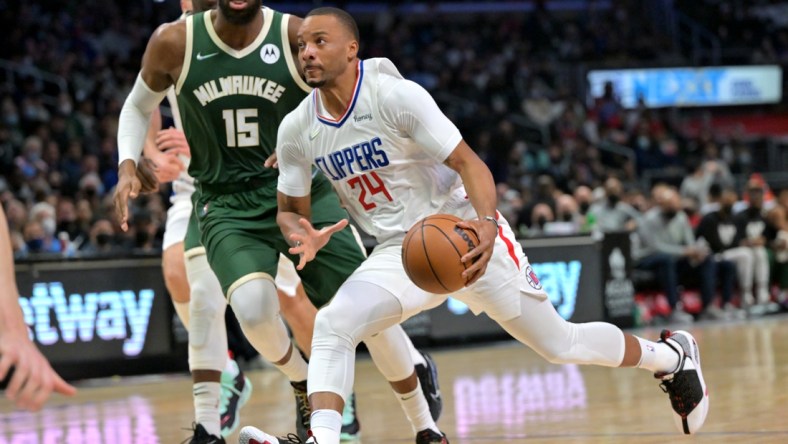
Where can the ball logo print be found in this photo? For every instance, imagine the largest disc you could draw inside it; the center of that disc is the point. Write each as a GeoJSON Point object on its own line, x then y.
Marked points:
{"type": "Point", "coordinates": [532, 279]}
{"type": "Point", "coordinates": [269, 53]}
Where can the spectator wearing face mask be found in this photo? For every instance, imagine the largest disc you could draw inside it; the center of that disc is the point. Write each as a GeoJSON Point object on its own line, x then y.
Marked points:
{"type": "Point", "coordinates": [102, 239]}
{"type": "Point", "coordinates": [612, 214]}
{"type": "Point", "coordinates": [668, 248]}
{"type": "Point", "coordinates": [37, 241]}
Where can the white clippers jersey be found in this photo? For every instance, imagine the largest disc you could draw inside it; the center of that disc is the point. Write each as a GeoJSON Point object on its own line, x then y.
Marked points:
{"type": "Point", "coordinates": [384, 156]}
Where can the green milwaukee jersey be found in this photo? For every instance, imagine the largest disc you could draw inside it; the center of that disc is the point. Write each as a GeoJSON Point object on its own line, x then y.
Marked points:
{"type": "Point", "coordinates": [232, 101]}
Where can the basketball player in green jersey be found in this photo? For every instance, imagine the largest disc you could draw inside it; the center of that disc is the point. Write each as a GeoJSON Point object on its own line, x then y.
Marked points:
{"type": "Point", "coordinates": [235, 79]}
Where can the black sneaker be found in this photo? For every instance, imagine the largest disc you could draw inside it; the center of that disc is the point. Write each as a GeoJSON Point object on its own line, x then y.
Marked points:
{"type": "Point", "coordinates": [201, 436]}
{"type": "Point", "coordinates": [688, 394]}
{"type": "Point", "coordinates": [303, 409]}
{"type": "Point", "coordinates": [428, 378]}
{"type": "Point", "coordinates": [351, 429]}
{"type": "Point", "coordinates": [430, 437]}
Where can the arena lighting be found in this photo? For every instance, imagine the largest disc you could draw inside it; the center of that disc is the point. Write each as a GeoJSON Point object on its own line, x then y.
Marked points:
{"type": "Point", "coordinates": [690, 86]}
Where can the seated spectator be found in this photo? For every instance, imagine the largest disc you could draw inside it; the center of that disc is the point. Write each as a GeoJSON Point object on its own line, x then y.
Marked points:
{"type": "Point", "coordinates": [696, 185]}
{"type": "Point", "coordinates": [778, 218]}
{"type": "Point", "coordinates": [757, 233]}
{"type": "Point", "coordinates": [542, 215]}
{"type": "Point", "coordinates": [544, 193]}
{"type": "Point", "coordinates": [612, 214]}
{"type": "Point", "coordinates": [36, 239]}
{"type": "Point", "coordinates": [102, 239]}
{"type": "Point", "coordinates": [720, 233]}
{"type": "Point", "coordinates": [667, 246]}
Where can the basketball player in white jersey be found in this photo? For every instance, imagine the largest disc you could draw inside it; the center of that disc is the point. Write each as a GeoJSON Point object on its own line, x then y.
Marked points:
{"type": "Point", "coordinates": [395, 158]}
{"type": "Point", "coordinates": [208, 352]}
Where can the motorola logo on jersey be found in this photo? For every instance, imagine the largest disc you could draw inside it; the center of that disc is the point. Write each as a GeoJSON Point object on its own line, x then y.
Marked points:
{"type": "Point", "coordinates": [364, 156]}
{"type": "Point", "coordinates": [269, 53]}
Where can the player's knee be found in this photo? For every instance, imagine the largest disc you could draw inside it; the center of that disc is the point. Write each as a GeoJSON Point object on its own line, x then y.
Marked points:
{"type": "Point", "coordinates": [332, 326]}
{"type": "Point", "coordinates": [255, 303]}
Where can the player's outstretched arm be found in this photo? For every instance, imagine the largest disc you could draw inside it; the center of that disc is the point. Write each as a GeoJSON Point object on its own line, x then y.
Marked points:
{"type": "Point", "coordinates": [480, 186]}
{"type": "Point", "coordinates": [33, 379]}
{"type": "Point", "coordinates": [161, 65]}
{"type": "Point", "coordinates": [293, 220]}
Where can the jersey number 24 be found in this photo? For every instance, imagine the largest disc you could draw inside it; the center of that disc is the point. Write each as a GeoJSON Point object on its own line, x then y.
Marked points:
{"type": "Point", "coordinates": [364, 183]}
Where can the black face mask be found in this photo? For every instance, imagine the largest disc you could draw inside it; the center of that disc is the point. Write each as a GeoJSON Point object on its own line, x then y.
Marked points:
{"type": "Point", "coordinates": [35, 244]}
{"type": "Point", "coordinates": [584, 206]}
{"type": "Point", "coordinates": [669, 214]}
{"type": "Point", "coordinates": [541, 221]}
{"type": "Point", "coordinates": [613, 199]}
{"type": "Point", "coordinates": [568, 217]}
{"type": "Point", "coordinates": [103, 239]}
{"type": "Point", "coordinates": [726, 209]}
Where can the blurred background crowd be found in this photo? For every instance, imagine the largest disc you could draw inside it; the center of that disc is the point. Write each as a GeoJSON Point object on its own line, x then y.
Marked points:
{"type": "Point", "coordinates": [702, 190]}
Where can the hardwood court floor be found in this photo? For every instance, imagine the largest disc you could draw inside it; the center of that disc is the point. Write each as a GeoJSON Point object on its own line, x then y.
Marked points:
{"type": "Point", "coordinates": [493, 393]}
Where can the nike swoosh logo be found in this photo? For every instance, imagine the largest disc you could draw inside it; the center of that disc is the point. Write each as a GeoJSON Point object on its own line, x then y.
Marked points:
{"type": "Point", "coordinates": [201, 57]}
{"type": "Point", "coordinates": [409, 397]}
{"type": "Point", "coordinates": [314, 133]}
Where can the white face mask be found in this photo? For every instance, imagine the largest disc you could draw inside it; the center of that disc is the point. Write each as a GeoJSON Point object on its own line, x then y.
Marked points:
{"type": "Point", "coordinates": [49, 225]}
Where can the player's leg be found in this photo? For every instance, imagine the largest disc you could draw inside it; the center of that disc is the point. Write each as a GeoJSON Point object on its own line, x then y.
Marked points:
{"type": "Point", "coordinates": [338, 260]}
{"type": "Point", "coordinates": [242, 256]}
{"type": "Point", "coordinates": [235, 388]}
{"type": "Point", "coordinates": [348, 319]}
{"type": "Point", "coordinates": [298, 311]}
{"type": "Point", "coordinates": [511, 294]}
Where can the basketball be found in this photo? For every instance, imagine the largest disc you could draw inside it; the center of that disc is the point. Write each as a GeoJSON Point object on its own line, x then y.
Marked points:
{"type": "Point", "coordinates": [432, 250]}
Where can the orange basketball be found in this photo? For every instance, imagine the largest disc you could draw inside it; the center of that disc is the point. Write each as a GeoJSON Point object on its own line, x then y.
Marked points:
{"type": "Point", "coordinates": [432, 250]}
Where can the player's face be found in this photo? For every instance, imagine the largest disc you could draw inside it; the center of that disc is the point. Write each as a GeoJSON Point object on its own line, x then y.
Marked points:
{"type": "Point", "coordinates": [240, 12]}
{"type": "Point", "coordinates": [325, 48]}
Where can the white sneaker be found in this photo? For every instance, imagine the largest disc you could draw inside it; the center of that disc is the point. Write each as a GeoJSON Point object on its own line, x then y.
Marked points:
{"type": "Point", "coordinates": [253, 435]}
{"type": "Point", "coordinates": [688, 393]}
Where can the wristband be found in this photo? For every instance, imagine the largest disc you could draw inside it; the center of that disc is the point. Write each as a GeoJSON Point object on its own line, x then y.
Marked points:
{"type": "Point", "coordinates": [493, 220]}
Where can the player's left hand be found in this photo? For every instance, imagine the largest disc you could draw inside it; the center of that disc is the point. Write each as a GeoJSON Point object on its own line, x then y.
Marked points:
{"type": "Point", "coordinates": [480, 256]}
{"type": "Point", "coordinates": [308, 243]}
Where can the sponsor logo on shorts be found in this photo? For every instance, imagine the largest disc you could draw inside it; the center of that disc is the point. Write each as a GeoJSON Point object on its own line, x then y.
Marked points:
{"type": "Point", "coordinates": [532, 279]}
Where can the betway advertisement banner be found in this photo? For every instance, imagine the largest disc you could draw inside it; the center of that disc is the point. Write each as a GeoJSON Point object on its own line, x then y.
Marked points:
{"type": "Point", "coordinates": [688, 87]}
{"type": "Point", "coordinates": [82, 312]}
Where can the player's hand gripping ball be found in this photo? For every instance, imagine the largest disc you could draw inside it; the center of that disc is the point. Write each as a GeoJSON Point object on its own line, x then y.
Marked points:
{"type": "Point", "coordinates": [432, 250]}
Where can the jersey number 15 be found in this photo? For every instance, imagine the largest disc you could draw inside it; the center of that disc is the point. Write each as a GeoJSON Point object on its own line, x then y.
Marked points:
{"type": "Point", "coordinates": [241, 132]}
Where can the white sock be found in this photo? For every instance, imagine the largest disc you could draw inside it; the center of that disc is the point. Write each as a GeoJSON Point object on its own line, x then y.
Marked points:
{"type": "Point", "coordinates": [417, 410]}
{"type": "Point", "coordinates": [182, 310]}
{"type": "Point", "coordinates": [657, 356]}
{"type": "Point", "coordinates": [325, 426]}
{"type": "Point", "coordinates": [206, 406]}
{"type": "Point", "coordinates": [231, 368]}
{"type": "Point", "coordinates": [296, 368]}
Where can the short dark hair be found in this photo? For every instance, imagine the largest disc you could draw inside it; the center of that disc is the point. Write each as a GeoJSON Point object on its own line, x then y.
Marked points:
{"type": "Point", "coordinates": [344, 18]}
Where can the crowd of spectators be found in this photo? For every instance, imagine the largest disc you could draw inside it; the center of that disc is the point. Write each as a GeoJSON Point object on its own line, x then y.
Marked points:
{"type": "Point", "coordinates": [594, 166]}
